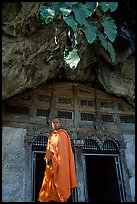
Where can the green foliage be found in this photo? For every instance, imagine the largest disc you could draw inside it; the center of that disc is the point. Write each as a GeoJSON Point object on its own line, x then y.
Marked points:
{"type": "Point", "coordinates": [79, 13]}
{"type": "Point", "coordinates": [90, 31]}
{"type": "Point", "coordinates": [110, 28]}
{"type": "Point", "coordinates": [47, 14]}
{"type": "Point", "coordinates": [91, 6]}
{"type": "Point", "coordinates": [108, 5]}
{"type": "Point", "coordinates": [111, 51]}
{"type": "Point", "coordinates": [70, 20]}
{"type": "Point", "coordinates": [107, 45]}
{"type": "Point", "coordinates": [103, 40]}
{"type": "Point", "coordinates": [81, 17]}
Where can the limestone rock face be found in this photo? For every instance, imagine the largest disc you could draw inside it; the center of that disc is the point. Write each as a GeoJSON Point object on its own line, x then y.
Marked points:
{"type": "Point", "coordinates": [31, 56]}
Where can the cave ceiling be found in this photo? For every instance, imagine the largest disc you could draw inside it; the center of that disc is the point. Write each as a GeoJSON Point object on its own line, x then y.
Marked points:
{"type": "Point", "coordinates": [31, 58]}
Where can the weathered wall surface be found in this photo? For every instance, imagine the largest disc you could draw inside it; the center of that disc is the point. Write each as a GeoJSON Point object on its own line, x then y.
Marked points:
{"type": "Point", "coordinates": [13, 165]}
{"type": "Point", "coordinates": [130, 159]}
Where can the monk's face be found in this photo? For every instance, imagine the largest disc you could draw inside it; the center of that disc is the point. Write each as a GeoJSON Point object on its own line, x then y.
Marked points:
{"type": "Point", "coordinates": [56, 124]}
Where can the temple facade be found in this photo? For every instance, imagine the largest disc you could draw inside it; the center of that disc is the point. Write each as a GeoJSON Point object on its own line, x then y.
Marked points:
{"type": "Point", "coordinates": [102, 132]}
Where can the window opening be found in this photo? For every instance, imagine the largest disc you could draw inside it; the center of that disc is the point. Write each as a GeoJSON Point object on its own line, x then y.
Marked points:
{"type": "Point", "coordinates": [105, 104]}
{"type": "Point", "coordinates": [39, 143]}
{"type": "Point", "coordinates": [87, 116]}
{"type": "Point", "coordinates": [107, 118]}
{"type": "Point", "coordinates": [83, 91]}
{"type": "Point", "coordinates": [44, 98]}
{"type": "Point", "coordinates": [16, 109]}
{"type": "Point", "coordinates": [65, 114]}
{"type": "Point", "coordinates": [42, 112]}
{"type": "Point", "coordinates": [65, 101]}
{"type": "Point", "coordinates": [86, 103]}
{"type": "Point", "coordinates": [26, 97]}
{"type": "Point", "coordinates": [110, 146]}
{"type": "Point", "coordinates": [90, 146]}
{"type": "Point", "coordinates": [127, 118]}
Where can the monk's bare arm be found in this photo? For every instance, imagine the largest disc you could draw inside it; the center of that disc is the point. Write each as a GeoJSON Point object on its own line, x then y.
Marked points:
{"type": "Point", "coordinates": [48, 155]}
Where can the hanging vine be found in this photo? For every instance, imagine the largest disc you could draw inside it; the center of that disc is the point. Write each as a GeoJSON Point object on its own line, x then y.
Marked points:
{"type": "Point", "coordinates": [86, 22]}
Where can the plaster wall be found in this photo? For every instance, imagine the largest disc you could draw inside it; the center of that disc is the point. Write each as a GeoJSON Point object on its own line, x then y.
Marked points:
{"type": "Point", "coordinates": [13, 164]}
{"type": "Point", "coordinates": [130, 160]}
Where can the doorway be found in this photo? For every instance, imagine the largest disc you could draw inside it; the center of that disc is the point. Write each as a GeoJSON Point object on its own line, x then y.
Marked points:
{"type": "Point", "coordinates": [103, 179]}
{"type": "Point", "coordinates": [38, 173]}
{"type": "Point", "coordinates": [38, 167]}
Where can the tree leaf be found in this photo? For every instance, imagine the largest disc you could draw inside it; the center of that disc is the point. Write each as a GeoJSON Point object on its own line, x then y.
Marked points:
{"type": "Point", "coordinates": [71, 21]}
{"type": "Point", "coordinates": [91, 6]}
{"type": "Point", "coordinates": [63, 7]}
{"type": "Point", "coordinates": [110, 28]}
{"type": "Point", "coordinates": [87, 11]}
{"type": "Point", "coordinates": [90, 31]}
{"type": "Point", "coordinates": [107, 45]}
{"type": "Point", "coordinates": [103, 6]}
{"type": "Point", "coordinates": [71, 3]}
{"type": "Point", "coordinates": [103, 40]}
{"type": "Point", "coordinates": [113, 6]}
{"type": "Point", "coordinates": [57, 5]}
{"type": "Point", "coordinates": [65, 11]}
{"type": "Point", "coordinates": [111, 51]}
{"type": "Point", "coordinates": [46, 14]}
{"type": "Point", "coordinates": [79, 14]}
{"type": "Point", "coordinates": [108, 5]}
{"type": "Point", "coordinates": [71, 57]}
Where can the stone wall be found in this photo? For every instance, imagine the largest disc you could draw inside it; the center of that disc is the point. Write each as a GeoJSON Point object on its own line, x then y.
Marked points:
{"type": "Point", "coordinates": [130, 160]}
{"type": "Point", "coordinates": [13, 165]}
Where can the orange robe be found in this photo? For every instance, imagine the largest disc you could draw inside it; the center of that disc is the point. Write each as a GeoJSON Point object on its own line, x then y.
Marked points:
{"type": "Point", "coordinates": [60, 176]}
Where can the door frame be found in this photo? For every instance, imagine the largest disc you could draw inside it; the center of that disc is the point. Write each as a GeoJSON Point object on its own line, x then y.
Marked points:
{"type": "Point", "coordinates": [34, 171]}
{"type": "Point", "coordinates": [118, 173]}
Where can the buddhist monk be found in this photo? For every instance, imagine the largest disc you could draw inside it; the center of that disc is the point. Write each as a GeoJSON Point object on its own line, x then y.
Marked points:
{"type": "Point", "coordinates": [60, 175]}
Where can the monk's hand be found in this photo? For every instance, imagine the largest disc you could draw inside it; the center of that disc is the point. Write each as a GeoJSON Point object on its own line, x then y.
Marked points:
{"type": "Point", "coordinates": [49, 161]}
